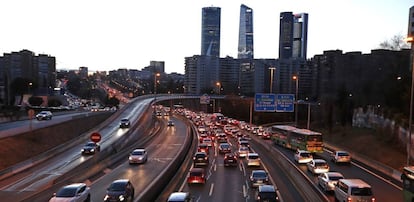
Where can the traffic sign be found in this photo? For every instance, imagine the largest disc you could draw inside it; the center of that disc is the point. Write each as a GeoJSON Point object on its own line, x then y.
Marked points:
{"type": "Point", "coordinates": [264, 102]}
{"type": "Point", "coordinates": [285, 103]}
{"type": "Point", "coordinates": [205, 99]}
{"type": "Point", "coordinates": [95, 137]}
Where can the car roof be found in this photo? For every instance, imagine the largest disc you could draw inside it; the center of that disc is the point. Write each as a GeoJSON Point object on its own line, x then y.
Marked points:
{"type": "Point", "coordinates": [319, 161]}
{"type": "Point", "coordinates": [178, 196]}
{"type": "Point", "coordinates": [197, 153]}
{"type": "Point", "coordinates": [142, 150]}
{"type": "Point", "coordinates": [253, 154]}
{"type": "Point", "coordinates": [197, 170]}
{"type": "Point", "coordinates": [355, 182]}
{"type": "Point", "coordinates": [334, 174]}
{"type": "Point", "coordinates": [258, 171]}
{"type": "Point", "coordinates": [75, 185]}
{"type": "Point", "coordinates": [120, 181]}
{"type": "Point", "coordinates": [266, 188]}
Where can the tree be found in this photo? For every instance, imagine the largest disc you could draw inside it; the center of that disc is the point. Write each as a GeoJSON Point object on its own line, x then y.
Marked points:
{"type": "Point", "coordinates": [35, 101]}
{"type": "Point", "coordinates": [397, 42]}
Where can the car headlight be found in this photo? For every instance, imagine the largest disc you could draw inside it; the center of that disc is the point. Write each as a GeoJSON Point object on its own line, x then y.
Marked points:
{"type": "Point", "coordinates": [130, 158]}
{"type": "Point", "coordinates": [106, 197]}
{"type": "Point", "coordinates": [121, 198]}
{"type": "Point", "coordinates": [92, 150]}
{"type": "Point", "coordinates": [82, 150]}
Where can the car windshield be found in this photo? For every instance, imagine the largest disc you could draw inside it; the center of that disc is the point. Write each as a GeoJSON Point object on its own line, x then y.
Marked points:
{"type": "Point", "coordinates": [200, 155]}
{"type": "Point", "coordinates": [335, 178]}
{"type": "Point", "coordinates": [137, 153]}
{"type": "Point", "coordinates": [224, 146]}
{"type": "Point", "coordinates": [361, 191]}
{"type": "Point", "coordinates": [259, 175]}
{"type": "Point", "coordinates": [244, 149]}
{"type": "Point", "coordinates": [267, 195]}
{"type": "Point", "coordinates": [305, 154]}
{"type": "Point", "coordinates": [343, 154]}
{"type": "Point", "coordinates": [90, 144]}
{"type": "Point", "coordinates": [124, 120]}
{"type": "Point", "coordinates": [320, 164]}
{"type": "Point", "coordinates": [66, 192]}
{"type": "Point", "coordinates": [116, 187]}
{"type": "Point", "coordinates": [195, 174]}
{"type": "Point", "coordinates": [253, 157]}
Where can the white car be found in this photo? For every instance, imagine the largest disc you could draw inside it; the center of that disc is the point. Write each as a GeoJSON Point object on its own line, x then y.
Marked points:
{"type": "Point", "coordinates": [243, 151]}
{"type": "Point", "coordinates": [318, 166]}
{"type": "Point", "coordinates": [138, 156]}
{"type": "Point", "coordinates": [253, 159]}
{"type": "Point", "coordinates": [328, 180]}
{"type": "Point", "coordinates": [302, 156]}
{"type": "Point", "coordinates": [341, 157]}
{"type": "Point", "coordinates": [44, 115]}
{"type": "Point", "coordinates": [77, 192]}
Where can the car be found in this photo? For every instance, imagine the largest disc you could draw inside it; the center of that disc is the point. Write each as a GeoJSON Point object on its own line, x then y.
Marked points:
{"type": "Point", "coordinates": [266, 193]}
{"type": "Point", "coordinates": [44, 115]}
{"type": "Point", "coordinates": [170, 123]}
{"type": "Point", "coordinates": [328, 180]}
{"type": "Point", "coordinates": [230, 160]}
{"type": "Point", "coordinates": [180, 197]}
{"type": "Point", "coordinates": [243, 151]}
{"type": "Point", "coordinates": [196, 176]}
{"type": "Point", "coordinates": [318, 166]}
{"type": "Point", "coordinates": [200, 159]}
{"type": "Point", "coordinates": [224, 148]}
{"type": "Point", "coordinates": [244, 143]}
{"type": "Point", "coordinates": [208, 141]}
{"type": "Point", "coordinates": [253, 159]}
{"type": "Point", "coordinates": [138, 156]}
{"type": "Point", "coordinates": [76, 192]}
{"type": "Point", "coordinates": [203, 148]}
{"type": "Point", "coordinates": [258, 177]}
{"type": "Point", "coordinates": [353, 190]}
{"type": "Point", "coordinates": [125, 123]}
{"type": "Point", "coordinates": [341, 157]}
{"type": "Point", "coordinates": [120, 190]}
{"type": "Point", "coordinates": [302, 156]}
{"type": "Point", "coordinates": [91, 148]}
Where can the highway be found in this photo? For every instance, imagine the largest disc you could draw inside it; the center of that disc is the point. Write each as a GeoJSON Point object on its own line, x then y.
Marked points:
{"type": "Point", "coordinates": [223, 183]}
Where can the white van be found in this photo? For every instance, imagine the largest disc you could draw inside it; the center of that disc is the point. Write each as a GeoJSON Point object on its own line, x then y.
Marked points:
{"type": "Point", "coordinates": [354, 190]}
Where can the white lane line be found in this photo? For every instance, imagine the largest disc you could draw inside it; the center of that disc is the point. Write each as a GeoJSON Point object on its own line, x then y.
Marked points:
{"type": "Point", "coordinates": [244, 191]}
{"type": "Point", "coordinates": [211, 189]}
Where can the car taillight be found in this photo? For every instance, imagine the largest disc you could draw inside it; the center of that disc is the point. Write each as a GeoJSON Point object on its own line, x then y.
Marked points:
{"type": "Point", "coordinates": [349, 199]}
{"type": "Point", "coordinates": [373, 199]}
{"type": "Point", "coordinates": [205, 158]}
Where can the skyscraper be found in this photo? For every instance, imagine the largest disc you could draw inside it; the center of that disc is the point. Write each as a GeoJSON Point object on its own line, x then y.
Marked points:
{"type": "Point", "coordinates": [210, 31]}
{"type": "Point", "coordinates": [293, 36]}
{"type": "Point", "coordinates": [245, 49]}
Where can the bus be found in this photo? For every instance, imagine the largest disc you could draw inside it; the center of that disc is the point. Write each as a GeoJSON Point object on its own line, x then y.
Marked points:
{"type": "Point", "coordinates": [296, 138]}
{"type": "Point", "coordinates": [407, 177]}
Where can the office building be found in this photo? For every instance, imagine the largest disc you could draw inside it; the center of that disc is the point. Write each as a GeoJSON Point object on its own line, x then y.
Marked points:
{"type": "Point", "coordinates": [293, 35]}
{"type": "Point", "coordinates": [245, 49]}
{"type": "Point", "coordinates": [201, 74]}
{"type": "Point", "coordinates": [210, 31]}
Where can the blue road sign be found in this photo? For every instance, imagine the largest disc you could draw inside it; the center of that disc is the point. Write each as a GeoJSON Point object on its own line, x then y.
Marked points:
{"type": "Point", "coordinates": [285, 102]}
{"type": "Point", "coordinates": [264, 102]}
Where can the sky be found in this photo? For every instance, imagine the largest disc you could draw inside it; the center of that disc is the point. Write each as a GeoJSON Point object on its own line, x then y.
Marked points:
{"type": "Point", "coordinates": [106, 35]}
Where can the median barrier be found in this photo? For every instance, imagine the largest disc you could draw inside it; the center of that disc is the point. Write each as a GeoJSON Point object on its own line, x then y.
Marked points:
{"type": "Point", "coordinates": [153, 190]}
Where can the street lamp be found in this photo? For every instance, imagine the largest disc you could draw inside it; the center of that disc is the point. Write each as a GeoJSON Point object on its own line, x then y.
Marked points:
{"type": "Point", "coordinates": [294, 77]}
{"type": "Point", "coordinates": [29, 87]}
{"type": "Point", "coordinates": [155, 82]}
{"type": "Point", "coordinates": [271, 77]}
{"type": "Point", "coordinates": [410, 40]}
{"type": "Point", "coordinates": [218, 84]}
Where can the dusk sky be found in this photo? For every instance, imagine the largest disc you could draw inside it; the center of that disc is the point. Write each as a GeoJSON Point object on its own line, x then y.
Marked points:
{"type": "Point", "coordinates": [108, 35]}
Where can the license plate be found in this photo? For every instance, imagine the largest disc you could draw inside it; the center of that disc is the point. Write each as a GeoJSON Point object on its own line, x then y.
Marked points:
{"type": "Point", "coordinates": [230, 160]}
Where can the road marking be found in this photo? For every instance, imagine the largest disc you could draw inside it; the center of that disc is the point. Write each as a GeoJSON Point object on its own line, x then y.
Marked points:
{"type": "Point", "coordinates": [211, 189]}
{"type": "Point", "coordinates": [244, 191]}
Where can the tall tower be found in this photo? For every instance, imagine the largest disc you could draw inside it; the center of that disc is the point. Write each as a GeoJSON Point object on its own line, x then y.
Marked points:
{"type": "Point", "coordinates": [293, 36]}
{"type": "Point", "coordinates": [210, 31]}
{"type": "Point", "coordinates": [245, 49]}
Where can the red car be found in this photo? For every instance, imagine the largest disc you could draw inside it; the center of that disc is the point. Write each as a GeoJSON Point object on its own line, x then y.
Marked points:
{"type": "Point", "coordinates": [196, 176]}
{"type": "Point", "coordinates": [203, 148]}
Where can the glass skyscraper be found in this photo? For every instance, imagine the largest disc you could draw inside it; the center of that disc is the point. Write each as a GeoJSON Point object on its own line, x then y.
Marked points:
{"type": "Point", "coordinates": [293, 36]}
{"type": "Point", "coordinates": [210, 31]}
{"type": "Point", "coordinates": [245, 49]}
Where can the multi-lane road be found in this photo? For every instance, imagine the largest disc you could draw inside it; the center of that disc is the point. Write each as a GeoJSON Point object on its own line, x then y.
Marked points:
{"type": "Point", "coordinates": [223, 183]}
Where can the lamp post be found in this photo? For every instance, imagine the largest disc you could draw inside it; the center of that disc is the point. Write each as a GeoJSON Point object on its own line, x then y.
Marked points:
{"type": "Point", "coordinates": [218, 84]}
{"type": "Point", "coordinates": [155, 82]}
{"type": "Point", "coordinates": [410, 40]}
{"type": "Point", "coordinates": [271, 77]}
{"type": "Point", "coordinates": [294, 77]}
{"type": "Point", "coordinates": [29, 86]}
